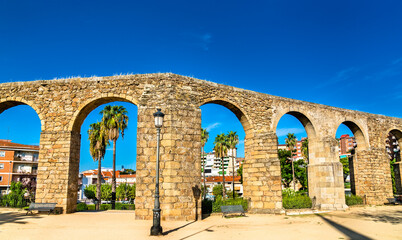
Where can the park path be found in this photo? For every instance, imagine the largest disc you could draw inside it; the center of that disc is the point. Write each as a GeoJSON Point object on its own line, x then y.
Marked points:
{"type": "Point", "coordinates": [378, 222]}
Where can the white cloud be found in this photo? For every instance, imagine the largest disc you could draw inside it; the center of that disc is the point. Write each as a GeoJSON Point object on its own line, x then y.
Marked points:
{"type": "Point", "coordinates": [212, 126]}
{"type": "Point", "coordinates": [241, 142]}
{"type": "Point", "coordinates": [284, 131]}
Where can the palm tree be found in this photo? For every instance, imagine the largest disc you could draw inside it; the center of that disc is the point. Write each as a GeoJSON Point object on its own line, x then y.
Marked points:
{"type": "Point", "coordinates": [233, 140]}
{"type": "Point", "coordinates": [97, 148]}
{"type": "Point", "coordinates": [221, 149]}
{"type": "Point", "coordinates": [290, 144]}
{"type": "Point", "coordinates": [304, 149]}
{"type": "Point", "coordinates": [204, 139]}
{"type": "Point", "coordinates": [115, 120]}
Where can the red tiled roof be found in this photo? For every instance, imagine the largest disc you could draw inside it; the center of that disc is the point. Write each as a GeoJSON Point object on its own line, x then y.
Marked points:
{"type": "Point", "coordinates": [109, 174]}
{"type": "Point", "coordinates": [220, 179]}
{"type": "Point", "coordinates": [9, 144]}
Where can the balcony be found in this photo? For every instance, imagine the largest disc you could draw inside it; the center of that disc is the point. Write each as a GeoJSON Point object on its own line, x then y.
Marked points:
{"type": "Point", "coordinates": [25, 159]}
{"type": "Point", "coordinates": [25, 172]}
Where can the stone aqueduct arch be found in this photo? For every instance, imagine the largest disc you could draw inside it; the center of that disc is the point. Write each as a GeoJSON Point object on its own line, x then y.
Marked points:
{"type": "Point", "coordinates": [62, 105]}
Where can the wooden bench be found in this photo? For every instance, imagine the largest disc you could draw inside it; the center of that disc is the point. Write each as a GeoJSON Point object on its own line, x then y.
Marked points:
{"type": "Point", "coordinates": [41, 207]}
{"type": "Point", "coordinates": [230, 209]}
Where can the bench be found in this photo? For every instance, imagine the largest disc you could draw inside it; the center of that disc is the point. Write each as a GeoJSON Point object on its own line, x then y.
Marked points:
{"type": "Point", "coordinates": [41, 207]}
{"type": "Point", "coordinates": [230, 209]}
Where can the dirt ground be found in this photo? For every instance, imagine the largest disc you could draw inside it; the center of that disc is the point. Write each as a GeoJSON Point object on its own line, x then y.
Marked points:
{"type": "Point", "coordinates": [375, 222]}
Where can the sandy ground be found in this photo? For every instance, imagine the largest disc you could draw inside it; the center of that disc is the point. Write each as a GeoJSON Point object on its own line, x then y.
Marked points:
{"type": "Point", "coordinates": [378, 222]}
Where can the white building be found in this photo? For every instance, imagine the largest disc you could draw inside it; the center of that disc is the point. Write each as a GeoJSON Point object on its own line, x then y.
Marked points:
{"type": "Point", "coordinates": [213, 165]}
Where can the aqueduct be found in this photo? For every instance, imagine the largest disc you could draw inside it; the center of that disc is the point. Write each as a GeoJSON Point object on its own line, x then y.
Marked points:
{"type": "Point", "coordinates": [62, 105]}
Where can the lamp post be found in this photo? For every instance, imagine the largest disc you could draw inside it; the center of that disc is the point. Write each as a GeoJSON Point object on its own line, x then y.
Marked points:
{"type": "Point", "coordinates": [156, 229]}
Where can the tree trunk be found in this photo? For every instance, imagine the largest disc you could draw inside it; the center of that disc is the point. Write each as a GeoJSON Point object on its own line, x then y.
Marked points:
{"type": "Point", "coordinates": [114, 175]}
{"type": "Point", "coordinates": [223, 180]}
{"type": "Point", "coordinates": [98, 185]}
{"type": "Point", "coordinates": [293, 174]}
{"type": "Point", "coordinates": [233, 175]}
{"type": "Point", "coordinates": [202, 157]}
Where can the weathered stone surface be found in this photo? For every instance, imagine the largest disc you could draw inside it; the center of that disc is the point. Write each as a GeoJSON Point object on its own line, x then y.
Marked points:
{"type": "Point", "coordinates": [62, 106]}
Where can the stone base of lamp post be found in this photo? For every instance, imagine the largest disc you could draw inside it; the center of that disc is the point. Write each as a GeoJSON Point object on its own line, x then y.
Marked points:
{"type": "Point", "coordinates": [156, 229]}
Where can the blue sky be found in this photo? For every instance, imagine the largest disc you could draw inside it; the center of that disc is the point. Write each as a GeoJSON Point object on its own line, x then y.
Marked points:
{"type": "Point", "coordinates": [345, 54]}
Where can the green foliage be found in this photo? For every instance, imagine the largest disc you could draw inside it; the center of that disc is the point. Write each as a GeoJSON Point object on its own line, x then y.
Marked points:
{"type": "Point", "coordinates": [229, 193]}
{"type": "Point", "coordinates": [217, 190]}
{"type": "Point", "coordinates": [82, 207]}
{"type": "Point", "coordinates": [106, 192]}
{"type": "Point", "coordinates": [353, 200]}
{"type": "Point", "coordinates": [295, 200]}
{"type": "Point", "coordinates": [104, 207]}
{"type": "Point", "coordinates": [16, 196]}
{"type": "Point", "coordinates": [119, 206]}
{"type": "Point", "coordinates": [216, 206]}
{"type": "Point", "coordinates": [286, 167]}
{"type": "Point", "coordinates": [393, 175]}
{"type": "Point", "coordinates": [90, 191]}
{"type": "Point", "coordinates": [128, 171]}
{"type": "Point", "coordinates": [300, 167]}
{"type": "Point", "coordinates": [240, 173]}
{"type": "Point", "coordinates": [345, 165]}
{"type": "Point", "coordinates": [125, 192]}
{"type": "Point", "coordinates": [91, 207]}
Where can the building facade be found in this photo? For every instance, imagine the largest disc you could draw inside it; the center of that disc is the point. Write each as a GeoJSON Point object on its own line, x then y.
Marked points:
{"type": "Point", "coordinates": [213, 164]}
{"type": "Point", "coordinates": [90, 177]}
{"type": "Point", "coordinates": [18, 163]}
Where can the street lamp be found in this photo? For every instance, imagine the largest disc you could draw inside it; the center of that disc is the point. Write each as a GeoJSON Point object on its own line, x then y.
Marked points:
{"type": "Point", "coordinates": [156, 229]}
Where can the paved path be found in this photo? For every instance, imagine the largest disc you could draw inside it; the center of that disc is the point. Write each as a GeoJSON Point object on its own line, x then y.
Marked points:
{"type": "Point", "coordinates": [380, 222]}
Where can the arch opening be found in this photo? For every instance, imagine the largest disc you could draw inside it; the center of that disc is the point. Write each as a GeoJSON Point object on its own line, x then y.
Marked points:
{"type": "Point", "coordinates": [295, 133]}
{"type": "Point", "coordinates": [393, 150]}
{"type": "Point", "coordinates": [351, 142]}
{"type": "Point", "coordinates": [19, 146]}
{"type": "Point", "coordinates": [126, 154]}
{"type": "Point", "coordinates": [217, 118]}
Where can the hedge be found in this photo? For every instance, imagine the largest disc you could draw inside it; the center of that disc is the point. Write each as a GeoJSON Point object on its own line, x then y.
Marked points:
{"type": "Point", "coordinates": [119, 206]}
{"type": "Point", "coordinates": [353, 200]}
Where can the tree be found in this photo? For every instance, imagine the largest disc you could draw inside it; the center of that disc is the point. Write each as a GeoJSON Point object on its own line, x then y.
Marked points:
{"type": "Point", "coordinates": [286, 167]}
{"type": "Point", "coordinates": [221, 149]}
{"type": "Point", "coordinates": [232, 141]}
{"type": "Point", "coordinates": [125, 192]}
{"type": "Point", "coordinates": [90, 191]}
{"type": "Point", "coordinates": [97, 148]}
{"type": "Point", "coordinates": [290, 144]}
{"type": "Point", "coordinates": [304, 150]}
{"type": "Point", "coordinates": [240, 173]}
{"type": "Point", "coordinates": [204, 139]}
{"type": "Point", "coordinates": [300, 167]}
{"type": "Point", "coordinates": [217, 190]}
{"type": "Point", "coordinates": [345, 166]}
{"type": "Point", "coordinates": [115, 120]}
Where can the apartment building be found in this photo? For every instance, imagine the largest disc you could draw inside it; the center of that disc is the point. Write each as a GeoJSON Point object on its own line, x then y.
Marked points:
{"type": "Point", "coordinates": [213, 164]}
{"type": "Point", "coordinates": [298, 149]}
{"type": "Point", "coordinates": [18, 163]}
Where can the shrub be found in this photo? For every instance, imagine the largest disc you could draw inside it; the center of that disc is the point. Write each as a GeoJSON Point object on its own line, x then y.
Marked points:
{"type": "Point", "coordinates": [91, 206]}
{"type": "Point", "coordinates": [295, 200]}
{"type": "Point", "coordinates": [16, 197]}
{"type": "Point", "coordinates": [216, 206]}
{"type": "Point", "coordinates": [353, 200]}
{"type": "Point", "coordinates": [82, 207]}
{"type": "Point", "coordinates": [105, 207]}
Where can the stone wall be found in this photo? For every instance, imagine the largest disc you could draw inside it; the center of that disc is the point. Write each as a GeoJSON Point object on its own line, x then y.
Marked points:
{"type": "Point", "coordinates": [62, 106]}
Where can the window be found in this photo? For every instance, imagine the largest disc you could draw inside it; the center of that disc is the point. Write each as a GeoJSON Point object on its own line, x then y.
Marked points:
{"type": "Point", "coordinates": [1, 178]}
{"type": "Point", "coordinates": [1, 165]}
{"type": "Point", "coordinates": [2, 153]}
